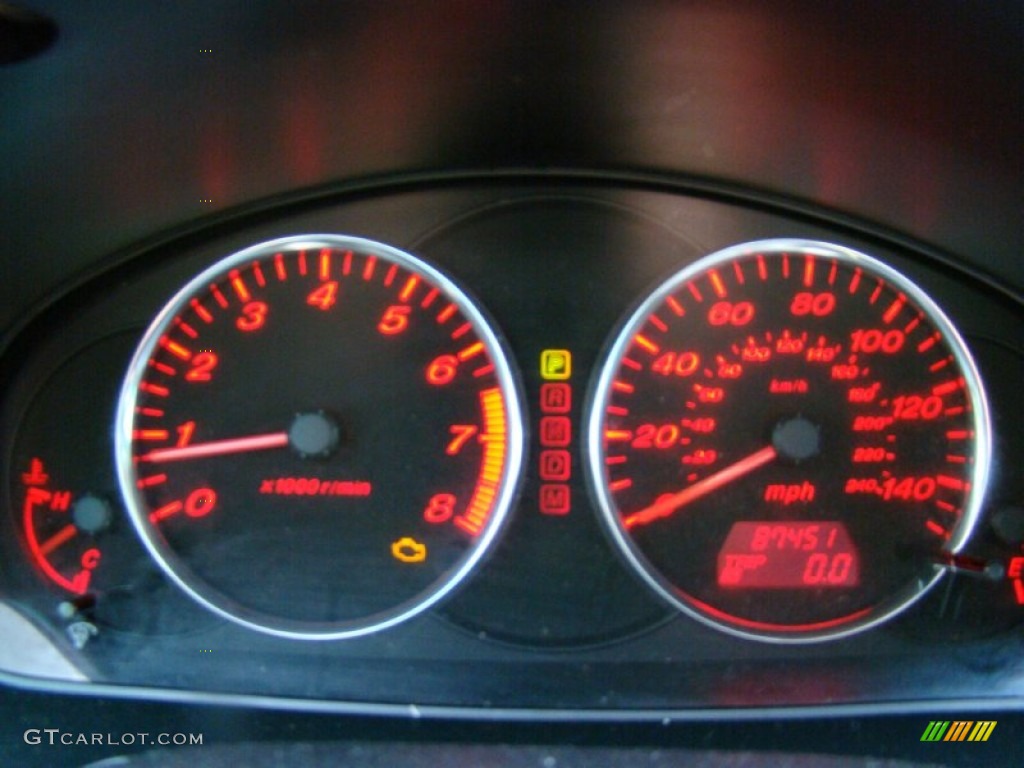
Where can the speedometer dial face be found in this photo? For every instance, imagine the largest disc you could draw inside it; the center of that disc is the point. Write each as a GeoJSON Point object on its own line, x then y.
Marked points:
{"type": "Point", "coordinates": [319, 437]}
{"type": "Point", "coordinates": [789, 441]}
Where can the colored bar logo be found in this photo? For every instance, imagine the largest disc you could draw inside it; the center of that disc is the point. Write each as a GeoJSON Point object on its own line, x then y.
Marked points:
{"type": "Point", "coordinates": [958, 730]}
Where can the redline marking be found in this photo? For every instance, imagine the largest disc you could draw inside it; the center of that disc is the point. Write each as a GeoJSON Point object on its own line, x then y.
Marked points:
{"type": "Point", "coordinates": [877, 292]}
{"type": "Point", "coordinates": [302, 263]}
{"type": "Point", "coordinates": [483, 371]}
{"type": "Point", "coordinates": [629, 363]}
{"type": "Point", "coordinates": [832, 273]}
{"type": "Point", "coordinates": [762, 268]}
{"type": "Point", "coordinates": [908, 329]}
{"type": "Point", "coordinates": [935, 528]}
{"type": "Point", "coordinates": [218, 296]}
{"type": "Point", "coordinates": [187, 329]}
{"type": "Point", "coordinates": [716, 284]}
{"type": "Point", "coordinates": [481, 504]}
{"type": "Point", "coordinates": [154, 389]}
{"type": "Point", "coordinates": [147, 482]}
{"type": "Point", "coordinates": [855, 280]}
{"type": "Point", "coordinates": [201, 311]}
{"type": "Point", "coordinates": [59, 538]}
{"type": "Point", "coordinates": [389, 278]}
{"type": "Point", "coordinates": [947, 387]}
{"type": "Point", "coordinates": [621, 386]}
{"type": "Point", "coordinates": [930, 342]}
{"type": "Point", "coordinates": [620, 485]}
{"type": "Point", "coordinates": [175, 348]}
{"type": "Point", "coordinates": [738, 271]}
{"type": "Point", "coordinates": [617, 434]}
{"type": "Point", "coordinates": [409, 288]}
{"type": "Point", "coordinates": [894, 309]}
{"type": "Point", "coordinates": [953, 483]}
{"type": "Point", "coordinates": [165, 511]}
{"type": "Point", "coordinates": [239, 285]}
{"type": "Point", "coordinates": [371, 262]}
{"type": "Point", "coordinates": [279, 268]}
{"type": "Point", "coordinates": [940, 365]}
{"type": "Point", "coordinates": [675, 306]}
{"type": "Point", "coordinates": [808, 270]}
{"type": "Point", "coordinates": [446, 313]}
{"type": "Point", "coordinates": [471, 351]}
{"type": "Point", "coordinates": [617, 410]}
{"type": "Point", "coordinates": [647, 344]}
{"type": "Point", "coordinates": [658, 323]}
{"type": "Point", "coordinates": [694, 291]}
{"type": "Point", "coordinates": [257, 270]}
{"type": "Point", "coordinates": [346, 263]}
{"type": "Point", "coordinates": [429, 298]}
{"type": "Point", "coordinates": [156, 412]}
{"type": "Point", "coordinates": [785, 265]}
{"type": "Point", "coordinates": [462, 330]}
{"type": "Point", "coordinates": [163, 368]}
{"type": "Point", "coordinates": [613, 460]}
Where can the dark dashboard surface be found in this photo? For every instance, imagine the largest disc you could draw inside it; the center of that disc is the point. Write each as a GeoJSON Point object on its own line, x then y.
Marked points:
{"type": "Point", "coordinates": [558, 164]}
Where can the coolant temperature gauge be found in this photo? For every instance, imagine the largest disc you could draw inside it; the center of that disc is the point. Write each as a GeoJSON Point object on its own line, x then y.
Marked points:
{"type": "Point", "coordinates": [62, 529]}
{"type": "Point", "coordinates": [72, 529]}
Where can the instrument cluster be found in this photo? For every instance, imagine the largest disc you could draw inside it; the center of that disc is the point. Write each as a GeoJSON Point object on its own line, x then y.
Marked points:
{"type": "Point", "coordinates": [614, 447]}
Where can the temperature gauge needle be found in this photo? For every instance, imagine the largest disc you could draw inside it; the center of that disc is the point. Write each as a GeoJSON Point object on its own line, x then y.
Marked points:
{"type": "Point", "coordinates": [668, 505]}
{"type": "Point", "coordinates": [218, 447]}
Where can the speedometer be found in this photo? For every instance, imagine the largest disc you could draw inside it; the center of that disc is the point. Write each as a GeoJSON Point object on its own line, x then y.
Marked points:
{"type": "Point", "coordinates": [319, 437]}
{"type": "Point", "coordinates": [789, 441]}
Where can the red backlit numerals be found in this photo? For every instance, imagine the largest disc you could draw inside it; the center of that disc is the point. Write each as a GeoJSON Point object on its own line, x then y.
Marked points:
{"type": "Point", "coordinates": [202, 367]}
{"type": "Point", "coordinates": [676, 364]}
{"type": "Point", "coordinates": [395, 319]}
{"type": "Point", "coordinates": [815, 304]}
{"type": "Point", "coordinates": [728, 313]}
{"type": "Point", "coordinates": [325, 296]}
{"type": "Point", "coordinates": [555, 462]}
{"type": "Point", "coordinates": [253, 317]}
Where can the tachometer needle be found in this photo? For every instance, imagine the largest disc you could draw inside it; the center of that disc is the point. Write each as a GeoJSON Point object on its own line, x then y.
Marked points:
{"type": "Point", "coordinates": [218, 447]}
{"type": "Point", "coordinates": [670, 504]}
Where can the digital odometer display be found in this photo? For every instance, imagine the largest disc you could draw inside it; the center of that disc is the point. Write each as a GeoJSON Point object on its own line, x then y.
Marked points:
{"type": "Point", "coordinates": [319, 437]}
{"type": "Point", "coordinates": [791, 555]}
{"type": "Point", "coordinates": [789, 440]}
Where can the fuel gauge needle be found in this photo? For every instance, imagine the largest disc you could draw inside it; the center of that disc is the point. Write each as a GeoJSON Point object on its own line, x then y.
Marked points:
{"type": "Point", "coordinates": [218, 447]}
{"type": "Point", "coordinates": [670, 504]}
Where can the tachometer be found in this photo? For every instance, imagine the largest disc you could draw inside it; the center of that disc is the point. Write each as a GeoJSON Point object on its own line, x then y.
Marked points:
{"type": "Point", "coordinates": [319, 436]}
{"type": "Point", "coordinates": [789, 440]}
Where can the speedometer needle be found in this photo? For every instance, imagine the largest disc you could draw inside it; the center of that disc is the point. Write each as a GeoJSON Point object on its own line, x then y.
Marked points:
{"type": "Point", "coordinates": [219, 447]}
{"type": "Point", "coordinates": [670, 504]}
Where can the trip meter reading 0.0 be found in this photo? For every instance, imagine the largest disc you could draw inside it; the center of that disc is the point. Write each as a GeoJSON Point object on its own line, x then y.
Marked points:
{"type": "Point", "coordinates": [789, 441]}
{"type": "Point", "coordinates": [319, 437]}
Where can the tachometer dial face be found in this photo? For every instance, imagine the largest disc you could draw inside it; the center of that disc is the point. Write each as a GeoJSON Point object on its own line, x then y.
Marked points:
{"type": "Point", "coordinates": [789, 440]}
{"type": "Point", "coordinates": [319, 437]}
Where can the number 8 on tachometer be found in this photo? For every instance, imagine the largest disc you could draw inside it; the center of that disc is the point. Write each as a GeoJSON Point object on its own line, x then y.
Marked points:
{"type": "Point", "coordinates": [319, 437]}
{"type": "Point", "coordinates": [789, 441]}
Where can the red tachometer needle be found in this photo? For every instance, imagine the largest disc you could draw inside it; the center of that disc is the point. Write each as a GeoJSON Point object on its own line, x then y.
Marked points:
{"type": "Point", "coordinates": [219, 447]}
{"type": "Point", "coordinates": [668, 505]}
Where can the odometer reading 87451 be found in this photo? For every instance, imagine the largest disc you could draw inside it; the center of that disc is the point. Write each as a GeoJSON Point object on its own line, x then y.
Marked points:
{"type": "Point", "coordinates": [789, 440]}
{"type": "Point", "coordinates": [319, 437]}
